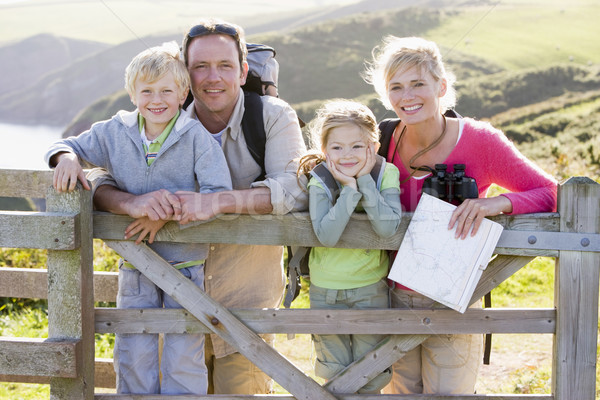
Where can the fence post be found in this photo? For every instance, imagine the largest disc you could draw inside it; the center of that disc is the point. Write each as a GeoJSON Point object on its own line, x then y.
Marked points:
{"type": "Point", "coordinates": [576, 294]}
{"type": "Point", "coordinates": [71, 295]}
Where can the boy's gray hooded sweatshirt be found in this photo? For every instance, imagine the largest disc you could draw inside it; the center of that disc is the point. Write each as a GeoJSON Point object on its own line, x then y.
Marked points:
{"type": "Point", "coordinates": [189, 159]}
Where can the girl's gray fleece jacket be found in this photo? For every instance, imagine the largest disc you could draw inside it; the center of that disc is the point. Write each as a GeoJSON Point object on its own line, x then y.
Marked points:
{"type": "Point", "coordinates": [189, 159]}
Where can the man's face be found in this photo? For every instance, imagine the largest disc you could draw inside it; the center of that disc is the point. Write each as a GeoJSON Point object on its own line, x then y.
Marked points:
{"type": "Point", "coordinates": [216, 75]}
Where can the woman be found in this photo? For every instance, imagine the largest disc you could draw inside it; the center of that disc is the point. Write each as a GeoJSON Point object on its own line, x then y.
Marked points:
{"type": "Point", "coordinates": [410, 78]}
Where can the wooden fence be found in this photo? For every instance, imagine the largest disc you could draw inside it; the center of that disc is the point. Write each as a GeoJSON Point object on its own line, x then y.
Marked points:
{"type": "Point", "coordinates": [66, 358]}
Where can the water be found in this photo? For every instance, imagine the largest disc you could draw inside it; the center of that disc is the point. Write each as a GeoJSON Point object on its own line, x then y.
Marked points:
{"type": "Point", "coordinates": [23, 146]}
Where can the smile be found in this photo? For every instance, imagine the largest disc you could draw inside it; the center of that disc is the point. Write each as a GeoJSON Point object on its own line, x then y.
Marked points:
{"type": "Point", "coordinates": [412, 108]}
{"type": "Point", "coordinates": [157, 110]}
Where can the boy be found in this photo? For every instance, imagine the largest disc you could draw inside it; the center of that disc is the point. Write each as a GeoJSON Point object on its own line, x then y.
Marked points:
{"type": "Point", "coordinates": [158, 146]}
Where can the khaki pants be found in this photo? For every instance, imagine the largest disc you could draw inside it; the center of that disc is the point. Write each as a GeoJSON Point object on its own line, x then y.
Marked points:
{"type": "Point", "coordinates": [234, 374]}
{"type": "Point", "coordinates": [442, 364]}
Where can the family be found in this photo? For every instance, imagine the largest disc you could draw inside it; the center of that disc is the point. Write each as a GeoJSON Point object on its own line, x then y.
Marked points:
{"type": "Point", "coordinates": [162, 162]}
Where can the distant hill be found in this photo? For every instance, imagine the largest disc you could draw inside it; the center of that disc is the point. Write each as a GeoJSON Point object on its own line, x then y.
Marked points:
{"type": "Point", "coordinates": [27, 62]}
{"type": "Point", "coordinates": [325, 60]}
{"type": "Point", "coordinates": [65, 80]}
{"type": "Point", "coordinates": [62, 93]}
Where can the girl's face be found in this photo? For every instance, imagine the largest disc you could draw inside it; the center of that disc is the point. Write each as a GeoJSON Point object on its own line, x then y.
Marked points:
{"type": "Point", "coordinates": [415, 95]}
{"type": "Point", "coordinates": [347, 149]}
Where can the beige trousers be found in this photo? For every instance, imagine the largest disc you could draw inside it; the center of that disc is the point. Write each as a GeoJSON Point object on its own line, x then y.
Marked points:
{"type": "Point", "coordinates": [234, 374]}
{"type": "Point", "coordinates": [442, 364]}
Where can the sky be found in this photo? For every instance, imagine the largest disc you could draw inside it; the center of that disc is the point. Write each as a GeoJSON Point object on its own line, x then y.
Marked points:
{"type": "Point", "coordinates": [116, 21]}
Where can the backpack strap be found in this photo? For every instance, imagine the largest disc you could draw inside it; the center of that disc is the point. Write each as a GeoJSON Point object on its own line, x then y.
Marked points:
{"type": "Point", "coordinates": [254, 130]}
{"type": "Point", "coordinates": [324, 177]}
{"type": "Point", "coordinates": [387, 127]}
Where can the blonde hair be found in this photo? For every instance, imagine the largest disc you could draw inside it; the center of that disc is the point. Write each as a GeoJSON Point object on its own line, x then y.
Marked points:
{"type": "Point", "coordinates": [152, 64]}
{"type": "Point", "coordinates": [396, 54]}
{"type": "Point", "coordinates": [333, 114]}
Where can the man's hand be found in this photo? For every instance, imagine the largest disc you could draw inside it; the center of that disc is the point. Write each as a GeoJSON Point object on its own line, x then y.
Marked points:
{"type": "Point", "coordinates": [158, 205]}
{"type": "Point", "coordinates": [198, 206]}
{"type": "Point", "coordinates": [67, 172]}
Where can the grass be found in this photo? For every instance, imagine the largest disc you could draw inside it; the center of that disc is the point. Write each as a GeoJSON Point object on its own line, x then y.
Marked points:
{"type": "Point", "coordinates": [523, 34]}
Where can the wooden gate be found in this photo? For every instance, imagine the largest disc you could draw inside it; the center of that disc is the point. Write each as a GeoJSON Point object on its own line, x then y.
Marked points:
{"type": "Point", "coordinates": [571, 235]}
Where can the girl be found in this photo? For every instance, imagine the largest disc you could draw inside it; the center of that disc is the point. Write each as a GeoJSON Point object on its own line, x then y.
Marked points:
{"type": "Point", "coordinates": [349, 278]}
{"type": "Point", "coordinates": [410, 78]}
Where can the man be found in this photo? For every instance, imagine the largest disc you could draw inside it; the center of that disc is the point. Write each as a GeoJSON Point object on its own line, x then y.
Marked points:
{"type": "Point", "coordinates": [237, 276]}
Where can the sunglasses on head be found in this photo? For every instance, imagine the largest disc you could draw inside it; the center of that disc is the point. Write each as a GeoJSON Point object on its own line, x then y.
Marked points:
{"type": "Point", "coordinates": [200, 30]}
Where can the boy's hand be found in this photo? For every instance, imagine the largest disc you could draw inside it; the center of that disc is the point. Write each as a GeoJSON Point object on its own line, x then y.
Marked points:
{"type": "Point", "coordinates": [158, 205]}
{"type": "Point", "coordinates": [67, 172]}
{"type": "Point", "coordinates": [145, 227]}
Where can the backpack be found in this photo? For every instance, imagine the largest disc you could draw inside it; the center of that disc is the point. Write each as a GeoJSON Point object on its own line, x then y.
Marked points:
{"type": "Point", "coordinates": [298, 255]}
{"type": "Point", "coordinates": [387, 127]}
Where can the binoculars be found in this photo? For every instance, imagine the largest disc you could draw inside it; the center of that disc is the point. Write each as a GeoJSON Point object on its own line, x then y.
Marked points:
{"type": "Point", "coordinates": [453, 187]}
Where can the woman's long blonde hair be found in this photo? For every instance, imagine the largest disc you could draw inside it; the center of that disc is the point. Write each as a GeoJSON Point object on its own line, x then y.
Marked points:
{"type": "Point", "coordinates": [333, 114]}
{"type": "Point", "coordinates": [399, 54]}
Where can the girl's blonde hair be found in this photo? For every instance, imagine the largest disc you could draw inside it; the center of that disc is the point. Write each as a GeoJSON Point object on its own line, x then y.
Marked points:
{"type": "Point", "coordinates": [333, 114]}
{"type": "Point", "coordinates": [152, 64]}
{"type": "Point", "coordinates": [399, 54]}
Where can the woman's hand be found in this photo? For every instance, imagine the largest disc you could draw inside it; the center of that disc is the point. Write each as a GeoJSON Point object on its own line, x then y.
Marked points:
{"type": "Point", "coordinates": [340, 177]}
{"type": "Point", "coordinates": [369, 161]}
{"type": "Point", "coordinates": [471, 213]}
{"type": "Point", "coordinates": [145, 227]}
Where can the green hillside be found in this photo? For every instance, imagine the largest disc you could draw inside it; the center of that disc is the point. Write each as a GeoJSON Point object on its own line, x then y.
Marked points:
{"type": "Point", "coordinates": [518, 34]}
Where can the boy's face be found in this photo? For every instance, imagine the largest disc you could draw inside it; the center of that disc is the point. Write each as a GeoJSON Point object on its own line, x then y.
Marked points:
{"type": "Point", "coordinates": [158, 102]}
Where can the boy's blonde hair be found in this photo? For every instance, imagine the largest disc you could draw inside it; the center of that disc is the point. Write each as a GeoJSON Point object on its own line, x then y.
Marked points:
{"type": "Point", "coordinates": [152, 64]}
{"type": "Point", "coordinates": [333, 114]}
{"type": "Point", "coordinates": [399, 54]}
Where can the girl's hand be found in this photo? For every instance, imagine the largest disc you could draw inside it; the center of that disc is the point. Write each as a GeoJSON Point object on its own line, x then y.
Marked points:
{"type": "Point", "coordinates": [471, 213]}
{"type": "Point", "coordinates": [369, 161]}
{"type": "Point", "coordinates": [145, 227]}
{"type": "Point", "coordinates": [340, 177]}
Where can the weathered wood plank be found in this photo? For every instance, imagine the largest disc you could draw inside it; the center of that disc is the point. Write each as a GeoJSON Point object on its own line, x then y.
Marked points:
{"type": "Point", "coordinates": [302, 321]}
{"type": "Point", "coordinates": [39, 357]}
{"type": "Point", "coordinates": [386, 353]}
{"type": "Point", "coordinates": [71, 295]}
{"type": "Point", "coordinates": [220, 321]}
{"type": "Point", "coordinates": [339, 396]}
{"type": "Point", "coordinates": [24, 183]}
{"type": "Point", "coordinates": [295, 230]}
{"type": "Point", "coordinates": [576, 295]}
{"type": "Point", "coordinates": [104, 376]}
{"type": "Point", "coordinates": [32, 283]}
{"type": "Point", "coordinates": [39, 230]}
{"type": "Point", "coordinates": [498, 270]}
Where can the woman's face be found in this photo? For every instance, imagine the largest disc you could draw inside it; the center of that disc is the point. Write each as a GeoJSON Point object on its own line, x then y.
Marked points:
{"type": "Point", "coordinates": [415, 94]}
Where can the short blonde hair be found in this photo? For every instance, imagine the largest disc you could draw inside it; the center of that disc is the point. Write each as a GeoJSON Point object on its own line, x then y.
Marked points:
{"type": "Point", "coordinates": [396, 54]}
{"type": "Point", "coordinates": [333, 114]}
{"type": "Point", "coordinates": [152, 64]}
